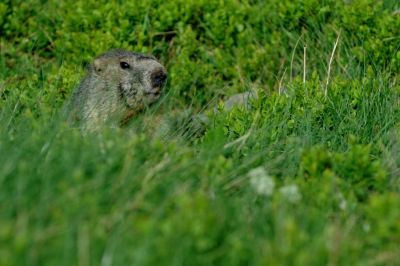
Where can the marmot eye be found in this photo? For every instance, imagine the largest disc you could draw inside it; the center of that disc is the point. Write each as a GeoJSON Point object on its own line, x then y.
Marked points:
{"type": "Point", "coordinates": [124, 65]}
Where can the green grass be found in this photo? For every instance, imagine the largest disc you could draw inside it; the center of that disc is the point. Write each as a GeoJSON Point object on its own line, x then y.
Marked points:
{"type": "Point", "coordinates": [300, 178]}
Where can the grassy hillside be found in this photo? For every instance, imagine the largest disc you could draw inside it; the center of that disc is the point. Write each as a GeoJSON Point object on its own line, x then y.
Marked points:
{"type": "Point", "coordinates": [309, 175]}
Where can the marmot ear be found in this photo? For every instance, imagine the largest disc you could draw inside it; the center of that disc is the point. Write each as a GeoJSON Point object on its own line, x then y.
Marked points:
{"type": "Point", "coordinates": [98, 65]}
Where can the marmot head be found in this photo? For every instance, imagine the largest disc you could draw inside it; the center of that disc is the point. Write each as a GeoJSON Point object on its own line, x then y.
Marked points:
{"type": "Point", "coordinates": [139, 78]}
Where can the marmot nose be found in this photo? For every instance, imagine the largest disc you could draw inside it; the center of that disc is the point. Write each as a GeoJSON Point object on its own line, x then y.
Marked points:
{"type": "Point", "coordinates": [158, 78]}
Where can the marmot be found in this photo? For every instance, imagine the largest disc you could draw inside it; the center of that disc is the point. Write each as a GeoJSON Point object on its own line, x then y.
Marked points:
{"type": "Point", "coordinates": [118, 84]}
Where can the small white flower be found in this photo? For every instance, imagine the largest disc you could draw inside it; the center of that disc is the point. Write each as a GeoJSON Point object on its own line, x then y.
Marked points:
{"type": "Point", "coordinates": [366, 227]}
{"type": "Point", "coordinates": [343, 202]}
{"type": "Point", "coordinates": [261, 182]}
{"type": "Point", "coordinates": [291, 193]}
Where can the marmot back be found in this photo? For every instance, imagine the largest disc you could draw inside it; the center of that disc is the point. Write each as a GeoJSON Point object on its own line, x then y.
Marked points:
{"type": "Point", "coordinates": [117, 85]}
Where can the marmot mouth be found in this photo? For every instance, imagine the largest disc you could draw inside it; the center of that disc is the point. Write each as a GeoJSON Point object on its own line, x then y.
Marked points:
{"type": "Point", "coordinates": [155, 93]}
